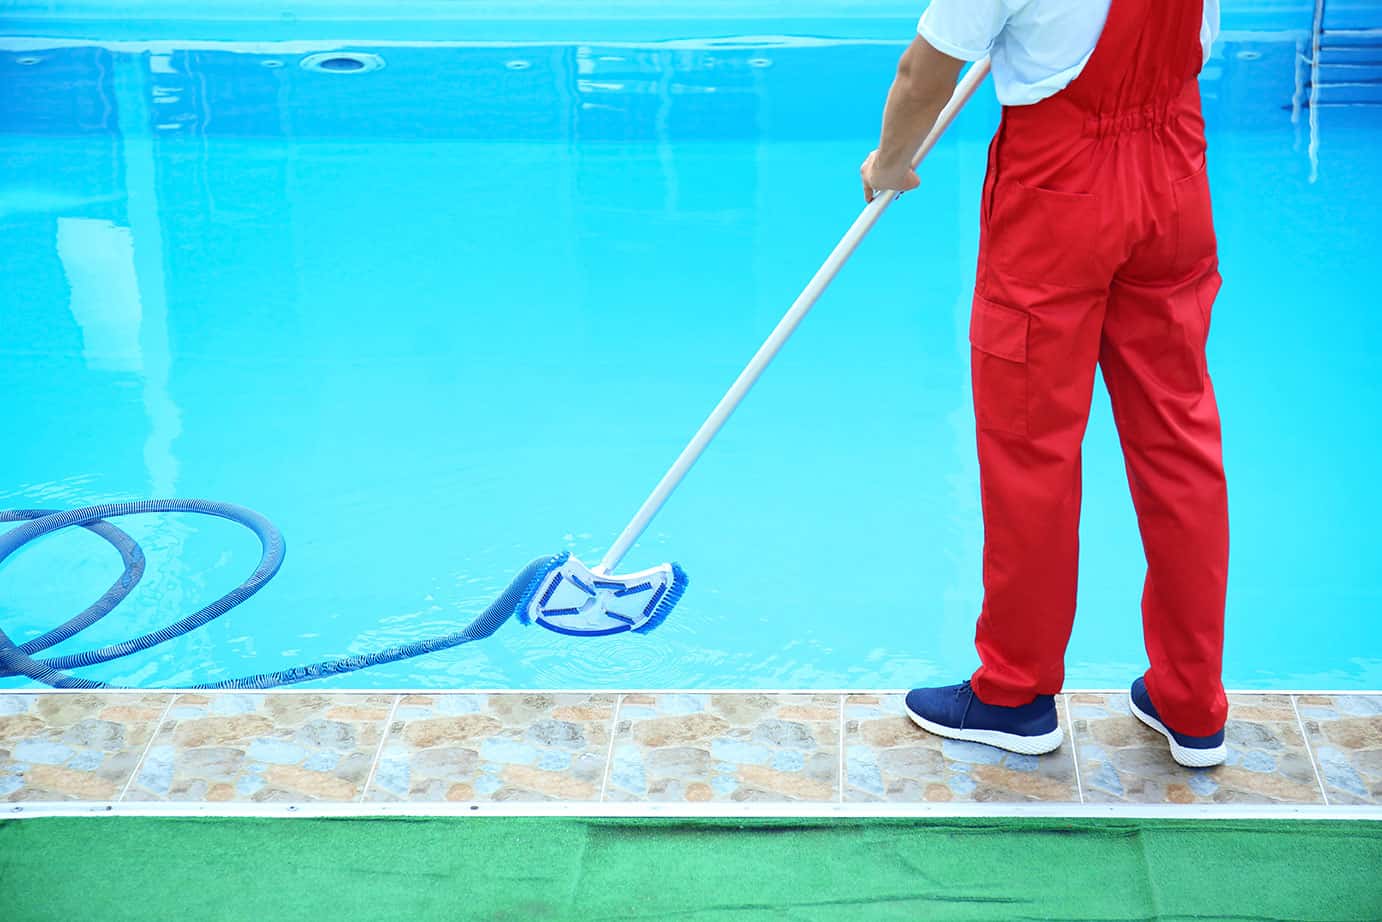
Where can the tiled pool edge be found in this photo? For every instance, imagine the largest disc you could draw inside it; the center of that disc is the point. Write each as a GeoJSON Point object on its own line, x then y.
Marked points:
{"type": "Point", "coordinates": [727, 754]}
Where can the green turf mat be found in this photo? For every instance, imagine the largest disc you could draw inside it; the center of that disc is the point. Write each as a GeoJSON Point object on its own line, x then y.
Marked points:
{"type": "Point", "coordinates": [512, 868]}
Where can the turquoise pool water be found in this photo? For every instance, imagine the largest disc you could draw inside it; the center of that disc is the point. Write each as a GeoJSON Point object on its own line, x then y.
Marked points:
{"type": "Point", "coordinates": [445, 316]}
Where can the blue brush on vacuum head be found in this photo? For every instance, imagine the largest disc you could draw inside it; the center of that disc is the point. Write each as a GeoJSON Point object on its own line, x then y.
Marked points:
{"type": "Point", "coordinates": [669, 600]}
{"type": "Point", "coordinates": [573, 599]}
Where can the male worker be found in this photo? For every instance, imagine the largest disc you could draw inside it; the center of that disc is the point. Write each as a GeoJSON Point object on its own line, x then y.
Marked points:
{"type": "Point", "coordinates": [1096, 247]}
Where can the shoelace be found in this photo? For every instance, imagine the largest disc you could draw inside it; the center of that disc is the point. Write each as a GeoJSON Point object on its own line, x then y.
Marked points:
{"type": "Point", "coordinates": [961, 691]}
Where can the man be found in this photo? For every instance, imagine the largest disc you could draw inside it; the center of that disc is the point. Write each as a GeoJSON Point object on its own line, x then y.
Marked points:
{"type": "Point", "coordinates": [1097, 248]}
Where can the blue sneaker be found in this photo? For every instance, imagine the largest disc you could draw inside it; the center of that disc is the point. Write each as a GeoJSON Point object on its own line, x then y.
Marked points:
{"type": "Point", "coordinates": [1190, 751]}
{"type": "Point", "coordinates": [955, 712]}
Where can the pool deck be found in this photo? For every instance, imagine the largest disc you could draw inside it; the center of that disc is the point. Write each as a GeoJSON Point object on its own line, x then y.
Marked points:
{"type": "Point", "coordinates": [685, 753]}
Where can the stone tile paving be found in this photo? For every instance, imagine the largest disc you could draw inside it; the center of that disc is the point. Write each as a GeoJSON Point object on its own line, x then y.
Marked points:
{"type": "Point", "coordinates": [1121, 760]}
{"type": "Point", "coordinates": [263, 748]}
{"type": "Point", "coordinates": [681, 747]}
{"type": "Point", "coordinates": [499, 747]}
{"type": "Point", "coordinates": [888, 759]}
{"type": "Point", "coordinates": [74, 747]}
{"type": "Point", "coordinates": [726, 747]}
{"type": "Point", "coordinates": [1345, 733]}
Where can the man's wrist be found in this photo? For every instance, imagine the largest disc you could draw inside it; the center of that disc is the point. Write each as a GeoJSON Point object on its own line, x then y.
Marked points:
{"type": "Point", "coordinates": [892, 166]}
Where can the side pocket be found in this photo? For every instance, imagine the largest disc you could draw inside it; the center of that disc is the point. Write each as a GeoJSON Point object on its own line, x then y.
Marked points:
{"type": "Point", "coordinates": [1195, 240]}
{"type": "Point", "coordinates": [998, 360]}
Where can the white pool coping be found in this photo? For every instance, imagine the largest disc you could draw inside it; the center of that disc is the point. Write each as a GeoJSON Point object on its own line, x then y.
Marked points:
{"type": "Point", "coordinates": [41, 810]}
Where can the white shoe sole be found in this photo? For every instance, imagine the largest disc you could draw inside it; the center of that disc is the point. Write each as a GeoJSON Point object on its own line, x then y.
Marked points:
{"type": "Point", "coordinates": [1185, 756]}
{"type": "Point", "coordinates": [1022, 745]}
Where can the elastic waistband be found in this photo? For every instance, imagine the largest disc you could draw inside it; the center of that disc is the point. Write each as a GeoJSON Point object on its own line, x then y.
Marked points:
{"type": "Point", "coordinates": [1151, 117]}
{"type": "Point", "coordinates": [1065, 113]}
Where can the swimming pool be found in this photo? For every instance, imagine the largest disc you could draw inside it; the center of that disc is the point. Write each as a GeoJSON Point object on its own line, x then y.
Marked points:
{"type": "Point", "coordinates": [439, 317]}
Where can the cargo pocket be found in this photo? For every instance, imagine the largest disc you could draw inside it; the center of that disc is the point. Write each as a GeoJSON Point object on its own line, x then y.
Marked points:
{"type": "Point", "coordinates": [998, 359]}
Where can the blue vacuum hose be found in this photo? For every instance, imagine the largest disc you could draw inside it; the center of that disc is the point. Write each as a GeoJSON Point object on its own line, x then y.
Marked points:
{"type": "Point", "coordinates": [18, 659]}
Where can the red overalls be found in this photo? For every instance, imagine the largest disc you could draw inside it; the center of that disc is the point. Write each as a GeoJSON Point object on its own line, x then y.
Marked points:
{"type": "Point", "coordinates": [1097, 248]}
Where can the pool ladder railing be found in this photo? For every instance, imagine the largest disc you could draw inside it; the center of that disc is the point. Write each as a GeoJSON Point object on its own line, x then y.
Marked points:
{"type": "Point", "coordinates": [1344, 57]}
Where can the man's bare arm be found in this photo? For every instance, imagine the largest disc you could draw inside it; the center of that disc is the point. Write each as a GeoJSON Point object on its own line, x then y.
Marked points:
{"type": "Point", "coordinates": [925, 79]}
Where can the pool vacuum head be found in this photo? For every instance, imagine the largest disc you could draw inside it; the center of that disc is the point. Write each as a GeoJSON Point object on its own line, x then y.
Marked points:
{"type": "Point", "coordinates": [573, 599]}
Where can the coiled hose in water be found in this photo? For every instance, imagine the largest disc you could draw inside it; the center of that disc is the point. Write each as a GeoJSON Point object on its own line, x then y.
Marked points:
{"type": "Point", "coordinates": [18, 659]}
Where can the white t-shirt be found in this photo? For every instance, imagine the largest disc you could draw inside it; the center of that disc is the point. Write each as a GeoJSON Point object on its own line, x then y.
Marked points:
{"type": "Point", "coordinates": [1037, 46]}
